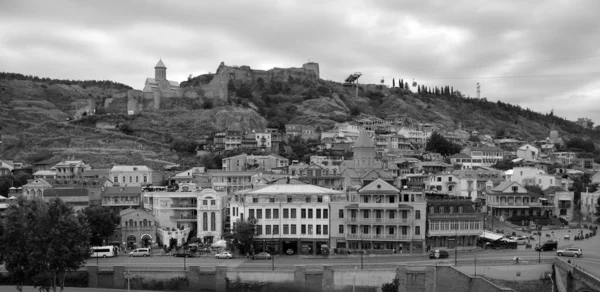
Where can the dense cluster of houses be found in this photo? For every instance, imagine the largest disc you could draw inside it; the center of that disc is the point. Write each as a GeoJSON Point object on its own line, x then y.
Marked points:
{"type": "Point", "coordinates": [391, 195]}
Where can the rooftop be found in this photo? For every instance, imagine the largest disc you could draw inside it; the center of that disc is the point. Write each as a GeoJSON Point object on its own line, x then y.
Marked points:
{"type": "Point", "coordinates": [293, 189]}
{"type": "Point", "coordinates": [130, 168]}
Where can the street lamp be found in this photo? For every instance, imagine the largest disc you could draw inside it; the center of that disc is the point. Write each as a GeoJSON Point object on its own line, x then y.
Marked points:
{"type": "Point", "coordinates": [539, 228]}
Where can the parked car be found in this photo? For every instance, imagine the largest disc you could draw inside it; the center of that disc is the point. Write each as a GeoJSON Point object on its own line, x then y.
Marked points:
{"type": "Point", "coordinates": [224, 255]}
{"type": "Point", "coordinates": [441, 254]}
{"type": "Point", "coordinates": [140, 252]}
{"type": "Point", "coordinates": [261, 256]}
{"type": "Point", "coordinates": [549, 245]}
{"type": "Point", "coordinates": [289, 251]}
{"type": "Point", "coordinates": [520, 239]}
{"type": "Point", "coordinates": [571, 251]}
{"type": "Point", "coordinates": [567, 237]}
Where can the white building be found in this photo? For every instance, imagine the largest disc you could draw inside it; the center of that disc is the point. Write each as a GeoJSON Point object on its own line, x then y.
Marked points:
{"type": "Point", "coordinates": [290, 216]}
{"type": "Point", "coordinates": [188, 208]}
{"type": "Point", "coordinates": [528, 152]}
{"type": "Point", "coordinates": [589, 202]}
{"type": "Point", "coordinates": [415, 136]}
{"type": "Point", "coordinates": [131, 175]}
{"type": "Point", "coordinates": [531, 176]}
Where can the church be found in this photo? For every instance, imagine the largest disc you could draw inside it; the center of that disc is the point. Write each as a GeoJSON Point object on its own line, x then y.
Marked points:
{"type": "Point", "coordinates": [160, 82]}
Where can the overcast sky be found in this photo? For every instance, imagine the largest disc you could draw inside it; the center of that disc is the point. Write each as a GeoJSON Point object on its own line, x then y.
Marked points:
{"type": "Point", "coordinates": [544, 55]}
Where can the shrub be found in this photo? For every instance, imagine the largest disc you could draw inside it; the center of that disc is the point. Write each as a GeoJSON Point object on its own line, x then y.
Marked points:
{"type": "Point", "coordinates": [391, 287]}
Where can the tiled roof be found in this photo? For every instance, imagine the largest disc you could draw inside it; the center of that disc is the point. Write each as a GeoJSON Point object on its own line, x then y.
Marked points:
{"type": "Point", "coordinates": [160, 64]}
{"type": "Point", "coordinates": [130, 168]}
{"type": "Point", "coordinates": [293, 189]}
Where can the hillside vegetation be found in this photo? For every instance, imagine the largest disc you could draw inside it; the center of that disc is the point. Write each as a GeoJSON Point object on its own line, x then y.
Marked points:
{"type": "Point", "coordinates": [33, 114]}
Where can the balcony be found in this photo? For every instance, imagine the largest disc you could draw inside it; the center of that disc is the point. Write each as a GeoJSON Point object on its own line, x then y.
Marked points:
{"type": "Point", "coordinates": [393, 221]}
{"type": "Point", "coordinates": [182, 218]}
{"type": "Point", "coordinates": [464, 232]}
{"type": "Point", "coordinates": [209, 207]}
{"type": "Point", "coordinates": [180, 205]}
{"type": "Point", "coordinates": [359, 236]}
{"type": "Point", "coordinates": [385, 205]}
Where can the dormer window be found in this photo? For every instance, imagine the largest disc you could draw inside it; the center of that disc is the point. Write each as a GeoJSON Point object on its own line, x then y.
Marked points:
{"type": "Point", "coordinates": [515, 189]}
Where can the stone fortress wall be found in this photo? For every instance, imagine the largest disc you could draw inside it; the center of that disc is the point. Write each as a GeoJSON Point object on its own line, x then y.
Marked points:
{"type": "Point", "coordinates": [136, 101]}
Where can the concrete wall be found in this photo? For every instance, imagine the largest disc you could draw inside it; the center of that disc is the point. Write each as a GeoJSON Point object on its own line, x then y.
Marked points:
{"type": "Point", "coordinates": [301, 278]}
{"type": "Point", "coordinates": [509, 273]}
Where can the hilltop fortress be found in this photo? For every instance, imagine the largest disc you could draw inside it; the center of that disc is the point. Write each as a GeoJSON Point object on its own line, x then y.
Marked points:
{"type": "Point", "coordinates": [161, 93]}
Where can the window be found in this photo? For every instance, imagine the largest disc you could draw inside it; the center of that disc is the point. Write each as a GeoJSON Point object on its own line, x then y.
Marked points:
{"type": "Point", "coordinates": [259, 214]}
{"type": "Point", "coordinates": [293, 214]}
{"type": "Point", "coordinates": [320, 199]}
{"type": "Point", "coordinates": [353, 229]}
{"type": "Point", "coordinates": [205, 202]}
{"type": "Point", "coordinates": [258, 229]}
{"type": "Point", "coordinates": [250, 213]}
{"type": "Point", "coordinates": [213, 222]}
{"type": "Point", "coordinates": [130, 179]}
{"type": "Point", "coordinates": [307, 199]}
{"type": "Point", "coordinates": [145, 178]}
{"type": "Point", "coordinates": [137, 179]}
{"type": "Point", "coordinates": [293, 229]}
{"type": "Point", "coordinates": [268, 214]}
{"type": "Point", "coordinates": [412, 197]}
{"type": "Point", "coordinates": [353, 214]}
{"type": "Point", "coordinates": [432, 209]}
{"type": "Point", "coordinates": [325, 214]}
{"type": "Point", "coordinates": [439, 178]}
{"type": "Point", "coordinates": [325, 229]}
{"type": "Point", "coordinates": [116, 178]}
{"type": "Point", "coordinates": [451, 209]}
{"type": "Point", "coordinates": [441, 209]}
{"type": "Point", "coordinates": [254, 200]}
{"type": "Point", "coordinates": [286, 229]}
{"type": "Point", "coordinates": [275, 229]}
{"type": "Point", "coordinates": [365, 199]}
{"type": "Point", "coordinates": [303, 229]}
{"type": "Point", "coordinates": [310, 229]}
{"type": "Point", "coordinates": [365, 214]}
{"type": "Point", "coordinates": [213, 202]}
{"type": "Point", "coordinates": [205, 221]}
{"type": "Point", "coordinates": [318, 214]}
{"type": "Point", "coordinates": [318, 229]}
{"type": "Point", "coordinates": [365, 229]}
{"type": "Point", "coordinates": [378, 214]}
{"type": "Point", "coordinates": [515, 189]}
{"type": "Point", "coordinates": [289, 199]}
{"type": "Point", "coordinates": [449, 178]}
{"type": "Point", "coordinates": [275, 213]}
{"type": "Point", "coordinates": [417, 230]}
{"type": "Point", "coordinates": [392, 214]}
{"type": "Point", "coordinates": [341, 213]}
{"type": "Point", "coordinates": [271, 200]}
{"type": "Point", "coordinates": [460, 209]}
{"type": "Point", "coordinates": [310, 213]}
{"type": "Point", "coordinates": [418, 214]}
{"type": "Point", "coordinates": [405, 197]}
{"type": "Point", "coordinates": [391, 199]}
{"type": "Point", "coordinates": [341, 229]}
{"type": "Point", "coordinates": [303, 213]}
{"type": "Point", "coordinates": [267, 229]}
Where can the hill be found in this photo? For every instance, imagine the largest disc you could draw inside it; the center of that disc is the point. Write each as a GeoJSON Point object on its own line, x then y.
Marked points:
{"type": "Point", "coordinates": [33, 113]}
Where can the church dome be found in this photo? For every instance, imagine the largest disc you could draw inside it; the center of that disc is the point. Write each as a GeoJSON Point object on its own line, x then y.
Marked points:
{"type": "Point", "coordinates": [160, 64]}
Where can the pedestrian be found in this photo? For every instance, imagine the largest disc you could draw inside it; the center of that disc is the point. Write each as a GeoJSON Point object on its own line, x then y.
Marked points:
{"type": "Point", "coordinates": [247, 255]}
{"type": "Point", "coordinates": [393, 250]}
{"type": "Point", "coordinates": [400, 248]}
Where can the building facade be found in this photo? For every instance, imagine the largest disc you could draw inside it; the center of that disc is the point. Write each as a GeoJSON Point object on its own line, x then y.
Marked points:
{"type": "Point", "coordinates": [131, 175]}
{"type": "Point", "coordinates": [452, 221]}
{"type": "Point", "coordinates": [137, 228]}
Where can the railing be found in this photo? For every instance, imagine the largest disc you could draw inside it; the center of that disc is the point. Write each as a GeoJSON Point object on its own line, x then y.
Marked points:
{"type": "Point", "coordinates": [183, 206]}
{"type": "Point", "coordinates": [382, 236]}
{"type": "Point", "coordinates": [453, 232]}
{"type": "Point", "coordinates": [209, 207]}
{"type": "Point", "coordinates": [120, 203]}
{"type": "Point", "coordinates": [184, 218]}
{"type": "Point", "coordinates": [360, 220]}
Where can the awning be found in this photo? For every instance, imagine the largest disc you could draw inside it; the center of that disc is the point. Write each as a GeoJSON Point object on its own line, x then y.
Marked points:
{"type": "Point", "coordinates": [491, 235]}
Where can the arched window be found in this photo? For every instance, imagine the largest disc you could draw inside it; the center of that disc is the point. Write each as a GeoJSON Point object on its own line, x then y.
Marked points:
{"type": "Point", "coordinates": [441, 209]}
{"type": "Point", "coordinates": [213, 222]}
{"type": "Point", "coordinates": [145, 222]}
{"type": "Point", "coordinates": [130, 222]}
{"type": "Point", "coordinates": [460, 209]}
{"type": "Point", "coordinates": [451, 209]}
{"type": "Point", "coordinates": [432, 209]}
{"type": "Point", "coordinates": [204, 221]}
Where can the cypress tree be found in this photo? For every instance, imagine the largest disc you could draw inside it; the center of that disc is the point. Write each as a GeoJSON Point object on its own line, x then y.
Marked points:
{"type": "Point", "coordinates": [393, 82]}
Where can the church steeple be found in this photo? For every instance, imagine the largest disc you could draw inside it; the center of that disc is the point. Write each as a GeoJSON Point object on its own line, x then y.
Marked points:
{"type": "Point", "coordinates": [364, 151]}
{"type": "Point", "coordinates": [160, 71]}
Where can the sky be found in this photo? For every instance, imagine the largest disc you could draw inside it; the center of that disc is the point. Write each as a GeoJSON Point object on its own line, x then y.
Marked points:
{"type": "Point", "coordinates": [542, 55]}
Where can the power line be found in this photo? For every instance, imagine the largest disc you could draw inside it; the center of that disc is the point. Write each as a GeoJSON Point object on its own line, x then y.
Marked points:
{"type": "Point", "coordinates": [518, 76]}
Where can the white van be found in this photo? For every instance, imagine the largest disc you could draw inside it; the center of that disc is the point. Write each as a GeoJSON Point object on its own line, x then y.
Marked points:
{"type": "Point", "coordinates": [103, 251]}
{"type": "Point", "coordinates": [140, 252]}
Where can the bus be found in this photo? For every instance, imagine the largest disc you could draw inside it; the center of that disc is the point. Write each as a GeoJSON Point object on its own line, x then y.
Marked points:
{"type": "Point", "coordinates": [103, 251]}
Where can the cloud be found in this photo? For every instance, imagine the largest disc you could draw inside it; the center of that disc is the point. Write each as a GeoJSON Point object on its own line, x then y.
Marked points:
{"type": "Point", "coordinates": [523, 52]}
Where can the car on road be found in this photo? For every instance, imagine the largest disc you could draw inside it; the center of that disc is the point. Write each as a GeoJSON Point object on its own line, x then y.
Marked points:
{"type": "Point", "coordinates": [548, 245]}
{"type": "Point", "coordinates": [183, 254]}
{"type": "Point", "coordinates": [289, 251]}
{"type": "Point", "coordinates": [520, 239]}
{"type": "Point", "coordinates": [261, 256]}
{"type": "Point", "coordinates": [567, 237]}
{"type": "Point", "coordinates": [224, 255]}
{"type": "Point", "coordinates": [140, 252]}
{"type": "Point", "coordinates": [441, 254]}
{"type": "Point", "coordinates": [571, 251]}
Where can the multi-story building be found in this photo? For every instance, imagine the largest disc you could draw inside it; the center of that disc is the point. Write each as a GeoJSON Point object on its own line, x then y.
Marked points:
{"type": "Point", "coordinates": [531, 176]}
{"type": "Point", "coordinates": [231, 181]}
{"type": "Point", "coordinates": [233, 139]}
{"type": "Point", "coordinates": [131, 175]}
{"type": "Point", "coordinates": [289, 216]}
{"type": "Point", "coordinates": [219, 141]}
{"type": "Point", "coordinates": [263, 141]}
{"type": "Point", "coordinates": [414, 136]}
{"type": "Point", "coordinates": [443, 183]}
{"type": "Point", "coordinates": [474, 183]}
{"type": "Point", "coordinates": [276, 139]}
{"type": "Point", "coordinates": [452, 220]}
{"type": "Point", "coordinates": [589, 203]}
{"type": "Point", "coordinates": [471, 157]}
{"type": "Point", "coordinates": [137, 228]}
{"type": "Point", "coordinates": [380, 216]}
{"type": "Point", "coordinates": [71, 169]}
{"type": "Point", "coordinates": [189, 208]}
{"type": "Point", "coordinates": [122, 197]}
{"type": "Point", "coordinates": [512, 199]}
{"type": "Point", "coordinates": [528, 152]}
{"type": "Point", "coordinates": [304, 131]}
{"type": "Point", "coordinates": [320, 175]}
{"type": "Point", "coordinates": [244, 162]}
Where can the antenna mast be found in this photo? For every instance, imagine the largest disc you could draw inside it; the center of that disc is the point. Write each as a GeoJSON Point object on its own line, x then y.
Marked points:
{"type": "Point", "coordinates": [478, 90]}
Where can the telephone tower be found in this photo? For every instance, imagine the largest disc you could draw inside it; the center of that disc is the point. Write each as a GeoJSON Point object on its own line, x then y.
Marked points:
{"type": "Point", "coordinates": [478, 90]}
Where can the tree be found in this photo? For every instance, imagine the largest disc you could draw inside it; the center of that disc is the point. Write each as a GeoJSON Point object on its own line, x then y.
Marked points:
{"type": "Point", "coordinates": [535, 189]}
{"type": "Point", "coordinates": [102, 221]}
{"type": "Point", "coordinates": [355, 111]}
{"type": "Point", "coordinates": [242, 234]}
{"type": "Point", "coordinates": [245, 91]}
{"type": "Point", "coordinates": [438, 143]}
{"type": "Point", "coordinates": [597, 211]}
{"type": "Point", "coordinates": [260, 84]}
{"type": "Point", "coordinates": [393, 82]}
{"type": "Point", "coordinates": [42, 242]}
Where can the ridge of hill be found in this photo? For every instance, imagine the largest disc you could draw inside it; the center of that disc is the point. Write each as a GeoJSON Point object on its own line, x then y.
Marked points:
{"type": "Point", "coordinates": [33, 113]}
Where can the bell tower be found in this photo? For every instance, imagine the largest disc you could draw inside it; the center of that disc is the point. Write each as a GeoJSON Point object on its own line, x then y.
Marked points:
{"type": "Point", "coordinates": [160, 71]}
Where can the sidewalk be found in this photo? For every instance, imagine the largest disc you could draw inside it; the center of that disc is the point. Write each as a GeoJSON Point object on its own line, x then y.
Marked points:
{"type": "Point", "coordinates": [70, 289]}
